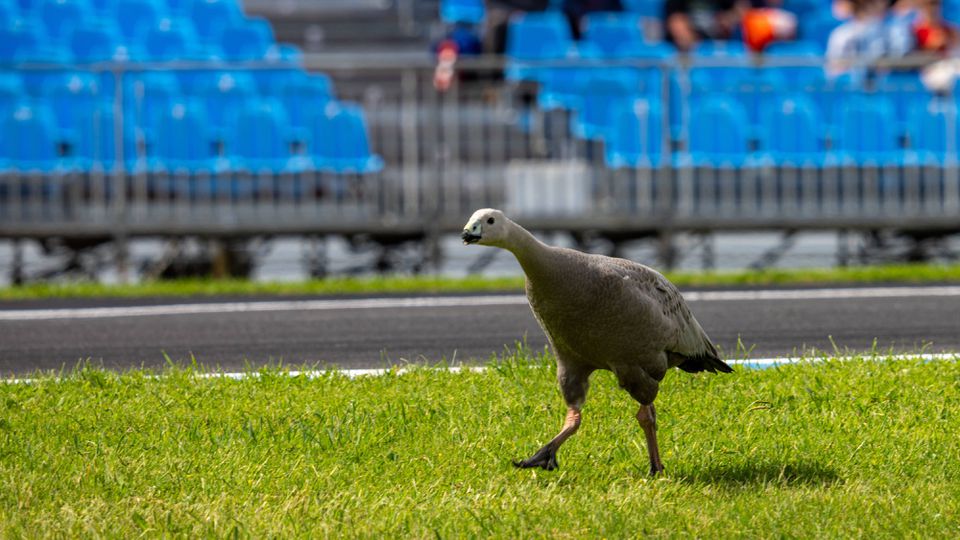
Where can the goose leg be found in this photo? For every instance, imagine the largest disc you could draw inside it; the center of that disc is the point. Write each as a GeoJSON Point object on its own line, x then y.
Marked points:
{"type": "Point", "coordinates": [647, 416]}
{"type": "Point", "coordinates": [546, 457]}
{"type": "Point", "coordinates": [574, 382]}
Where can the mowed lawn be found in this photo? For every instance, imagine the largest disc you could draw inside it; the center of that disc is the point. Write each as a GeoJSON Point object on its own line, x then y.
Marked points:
{"type": "Point", "coordinates": [860, 448]}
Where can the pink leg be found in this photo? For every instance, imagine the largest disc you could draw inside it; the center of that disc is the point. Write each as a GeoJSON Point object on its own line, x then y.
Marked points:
{"type": "Point", "coordinates": [647, 416]}
{"type": "Point", "coordinates": [546, 457]}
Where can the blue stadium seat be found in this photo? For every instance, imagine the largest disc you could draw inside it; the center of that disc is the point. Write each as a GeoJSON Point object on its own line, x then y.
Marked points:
{"type": "Point", "coordinates": [135, 17]}
{"type": "Point", "coordinates": [613, 31]}
{"type": "Point", "coordinates": [602, 97]}
{"type": "Point", "coordinates": [636, 139]}
{"type": "Point", "coordinates": [147, 95]}
{"type": "Point", "coordinates": [462, 11]}
{"type": "Point", "coordinates": [70, 96]}
{"type": "Point", "coordinates": [98, 43]}
{"type": "Point", "coordinates": [95, 148]}
{"type": "Point", "coordinates": [173, 39]}
{"type": "Point", "coordinates": [260, 140]}
{"type": "Point", "coordinates": [533, 37]}
{"type": "Point", "coordinates": [304, 97]}
{"type": "Point", "coordinates": [807, 57]}
{"type": "Point", "coordinates": [719, 132]}
{"type": "Point", "coordinates": [799, 48]}
{"type": "Point", "coordinates": [226, 93]}
{"type": "Point", "coordinates": [11, 92]}
{"type": "Point", "coordinates": [339, 141]}
{"type": "Point", "coordinates": [60, 17]}
{"type": "Point", "coordinates": [286, 68]}
{"type": "Point", "coordinates": [8, 13]}
{"type": "Point", "coordinates": [560, 86]}
{"type": "Point", "coordinates": [933, 131]}
{"type": "Point", "coordinates": [720, 49]}
{"type": "Point", "coordinates": [18, 42]}
{"type": "Point", "coordinates": [793, 131]}
{"type": "Point", "coordinates": [817, 26]}
{"type": "Point", "coordinates": [248, 39]}
{"type": "Point", "coordinates": [29, 141]}
{"type": "Point", "coordinates": [906, 90]}
{"type": "Point", "coordinates": [867, 130]}
{"type": "Point", "coordinates": [180, 8]}
{"type": "Point", "coordinates": [210, 17]}
{"type": "Point", "coordinates": [645, 8]}
{"type": "Point", "coordinates": [184, 142]}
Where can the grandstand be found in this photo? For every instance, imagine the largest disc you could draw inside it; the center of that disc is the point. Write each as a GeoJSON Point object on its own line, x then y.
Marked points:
{"type": "Point", "coordinates": [189, 118]}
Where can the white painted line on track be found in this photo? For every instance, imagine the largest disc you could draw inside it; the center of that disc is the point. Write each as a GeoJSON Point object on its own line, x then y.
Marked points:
{"type": "Point", "coordinates": [748, 363]}
{"type": "Point", "coordinates": [448, 301]}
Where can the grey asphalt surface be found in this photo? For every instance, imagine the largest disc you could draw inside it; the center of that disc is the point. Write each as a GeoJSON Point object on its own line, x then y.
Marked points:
{"type": "Point", "coordinates": [365, 338]}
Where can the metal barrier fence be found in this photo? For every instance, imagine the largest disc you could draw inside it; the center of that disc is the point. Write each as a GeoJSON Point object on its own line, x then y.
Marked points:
{"type": "Point", "coordinates": [481, 143]}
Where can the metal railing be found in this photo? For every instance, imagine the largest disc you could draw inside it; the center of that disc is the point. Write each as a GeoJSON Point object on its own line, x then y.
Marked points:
{"type": "Point", "coordinates": [481, 143]}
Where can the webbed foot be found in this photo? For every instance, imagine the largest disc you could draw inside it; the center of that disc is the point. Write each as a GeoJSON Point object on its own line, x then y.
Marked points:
{"type": "Point", "coordinates": [545, 458]}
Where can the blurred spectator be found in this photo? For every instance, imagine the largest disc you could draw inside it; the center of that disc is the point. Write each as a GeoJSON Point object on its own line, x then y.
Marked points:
{"type": "Point", "coordinates": [932, 32]}
{"type": "Point", "coordinates": [867, 37]}
{"type": "Point", "coordinates": [498, 18]}
{"type": "Point", "coordinates": [576, 9]}
{"type": "Point", "coordinates": [690, 21]}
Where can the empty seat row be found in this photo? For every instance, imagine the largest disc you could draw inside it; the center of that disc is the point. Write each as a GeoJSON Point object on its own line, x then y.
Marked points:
{"type": "Point", "coordinates": [259, 139]}
{"type": "Point", "coordinates": [794, 134]}
{"type": "Point", "coordinates": [160, 39]}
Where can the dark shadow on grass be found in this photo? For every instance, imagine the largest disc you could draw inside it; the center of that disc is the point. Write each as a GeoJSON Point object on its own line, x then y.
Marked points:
{"type": "Point", "coordinates": [794, 473]}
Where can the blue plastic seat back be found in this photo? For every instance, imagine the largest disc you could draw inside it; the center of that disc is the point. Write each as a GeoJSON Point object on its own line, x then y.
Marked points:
{"type": "Point", "coordinates": [72, 95]}
{"type": "Point", "coordinates": [719, 129]}
{"type": "Point", "coordinates": [602, 97]}
{"type": "Point", "coordinates": [339, 139]}
{"type": "Point", "coordinates": [817, 26]}
{"type": "Point", "coordinates": [30, 138]}
{"type": "Point", "coordinates": [832, 94]}
{"type": "Point", "coordinates": [96, 139]}
{"type": "Point", "coordinates": [249, 39]}
{"type": "Point", "coordinates": [933, 128]}
{"type": "Point", "coordinates": [645, 8]}
{"type": "Point", "coordinates": [733, 49]}
{"type": "Point", "coordinates": [170, 39]}
{"type": "Point", "coordinates": [306, 97]}
{"type": "Point", "coordinates": [11, 92]}
{"type": "Point", "coordinates": [259, 133]}
{"type": "Point", "coordinates": [8, 12]}
{"type": "Point", "coordinates": [613, 31]}
{"type": "Point", "coordinates": [148, 94]}
{"type": "Point", "coordinates": [799, 49]}
{"type": "Point", "coordinates": [60, 17]}
{"type": "Point", "coordinates": [286, 69]}
{"type": "Point", "coordinates": [867, 127]}
{"type": "Point", "coordinates": [17, 42]}
{"type": "Point", "coordinates": [183, 137]}
{"type": "Point", "coordinates": [637, 136]}
{"type": "Point", "coordinates": [905, 90]}
{"type": "Point", "coordinates": [462, 11]}
{"type": "Point", "coordinates": [541, 35]}
{"type": "Point", "coordinates": [210, 17]}
{"type": "Point", "coordinates": [97, 43]}
{"type": "Point", "coordinates": [226, 93]}
{"type": "Point", "coordinates": [136, 17]}
{"type": "Point", "coordinates": [793, 127]}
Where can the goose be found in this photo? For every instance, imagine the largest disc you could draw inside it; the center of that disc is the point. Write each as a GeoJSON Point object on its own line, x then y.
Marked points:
{"type": "Point", "coordinates": [601, 312]}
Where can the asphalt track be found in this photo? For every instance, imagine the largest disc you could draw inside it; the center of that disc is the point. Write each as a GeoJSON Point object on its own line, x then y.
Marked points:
{"type": "Point", "coordinates": [233, 333]}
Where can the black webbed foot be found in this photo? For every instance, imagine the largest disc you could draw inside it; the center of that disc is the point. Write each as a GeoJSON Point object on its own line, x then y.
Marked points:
{"type": "Point", "coordinates": [545, 458]}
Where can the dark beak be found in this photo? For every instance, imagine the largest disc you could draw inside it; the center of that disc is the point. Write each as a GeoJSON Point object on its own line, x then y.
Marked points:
{"type": "Point", "coordinates": [469, 238]}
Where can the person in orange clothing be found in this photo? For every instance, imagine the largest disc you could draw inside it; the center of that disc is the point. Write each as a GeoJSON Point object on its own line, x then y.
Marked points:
{"type": "Point", "coordinates": [931, 31]}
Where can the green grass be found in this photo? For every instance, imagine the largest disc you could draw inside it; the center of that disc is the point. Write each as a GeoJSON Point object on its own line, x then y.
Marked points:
{"type": "Point", "coordinates": [834, 450]}
{"type": "Point", "coordinates": [433, 284]}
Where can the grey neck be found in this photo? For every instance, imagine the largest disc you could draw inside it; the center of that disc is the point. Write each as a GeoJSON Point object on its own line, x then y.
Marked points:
{"type": "Point", "coordinates": [532, 254]}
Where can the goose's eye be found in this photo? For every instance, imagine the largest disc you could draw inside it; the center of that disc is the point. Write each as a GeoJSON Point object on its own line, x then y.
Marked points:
{"type": "Point", "coordinates": [490, 221]}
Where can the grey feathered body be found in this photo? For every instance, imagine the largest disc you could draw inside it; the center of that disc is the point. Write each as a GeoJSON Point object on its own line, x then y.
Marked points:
{"type": "Point", "coordinates": [608, 313]}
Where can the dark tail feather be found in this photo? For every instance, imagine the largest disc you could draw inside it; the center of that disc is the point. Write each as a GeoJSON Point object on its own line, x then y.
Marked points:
{"type": "Point", "coordinates": [709, 363]}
